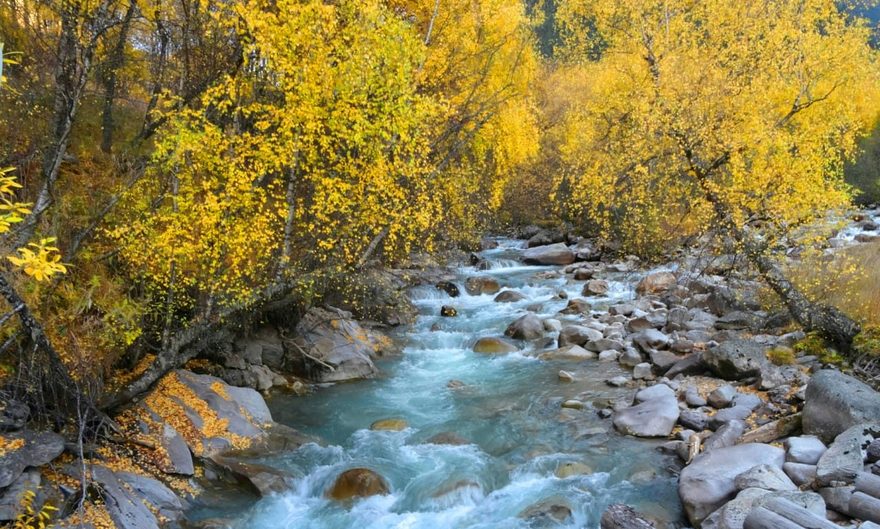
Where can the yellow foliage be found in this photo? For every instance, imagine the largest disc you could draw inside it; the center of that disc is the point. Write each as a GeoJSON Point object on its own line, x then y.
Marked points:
{"type": "Point", "coordinates": [754, 103]}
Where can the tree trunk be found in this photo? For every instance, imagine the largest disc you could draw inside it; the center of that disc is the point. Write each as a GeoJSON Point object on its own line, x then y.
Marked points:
{"type": "Point", "coordinates": [188, 343]}
{"type": "Point", "coordinates": [114, 63]}
{"type": "Point", "coordinates": [619, 516]}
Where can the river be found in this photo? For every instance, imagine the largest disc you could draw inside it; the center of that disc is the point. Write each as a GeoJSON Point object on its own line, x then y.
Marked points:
{"type": "Point", "coordinates": [520, 439]}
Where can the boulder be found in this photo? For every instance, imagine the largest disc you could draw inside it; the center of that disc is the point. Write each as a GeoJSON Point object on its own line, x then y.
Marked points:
{"type": "Point", "coordinates": [800, 473]}
{"type": "Point", "coordinates": [733, 514]}
{"type": "Point", "coordinates": [337, 348]}
{"type": "Point", "coordinates": [709, 481]}
{"type": "Point", "coordinates": [358, 483]}
{"type": "Point", "coordinates": [655, 283]}
{"type": "Point", "coordinates": [689, 365]}
{"type": "Point", "coordinates": [509, 296]}
{"type": "Point", "coordinates": [572, 468]}
{"type": "Point", "coordinates": [448, 311]}
{"type": "Point", "coordinates": [547, 513]}
{"type": "Point", "coordinates": [552, 254]}
{"type": "Point", "coordinates": [845, 457]}
{"type": "Point", "coordinates": [476, 286]}
{"type": "Point", "coordinates": [649, 339]}
{"type": "Point", "coordinates": [737, 320]}
{"type": "Point", "coordinates": [447, 438]}
{"type": "Point", "coordinates": [577, 306]}
{"type": "Point", "coordinates": [806, 449]}
{"type": "Point", "coordinates": [390, 425]}
{"type": "Point", "coordinates": [449, 287]}
{"type": "Point", "coordinates": [11, 498]}
{"type": "Point", "coordinates": [492, 345]}
{"type": "Point", "coordinates": [572, 353]}
{"type": "Point", "coordinates": [595, 287]}
{"type": "Point", "coordinates": [179, 460]}
{"type": "Point", "coordinates": [836, 402]}
{"type": "Point", "coordinates": [722, 396]}
{"type": "Point", "coordinates": [642, 371]}
{"type": "Point", "coordinates": [725, 436]}
{"type": "Point", "coordinates": [577, 335]}
{"type": "Point", "coordinates": [767, 477]}
{"type": "Point", "coordinates": [652, 418]}
{"type": "Point", "coordinates": [162, 499]}
{"type": "Point", "coordinates": [545, 237]}
{"type": "Point", "coordinates": [735, 359]}
{"type": "Point", "coordinates": [26, 449]}
{"type": "Point", "coordinates": [527, 327]}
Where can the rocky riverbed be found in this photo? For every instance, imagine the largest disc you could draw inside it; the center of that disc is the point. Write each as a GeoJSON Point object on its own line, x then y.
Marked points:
{"type": "Point", "coordinates": [539, 385]}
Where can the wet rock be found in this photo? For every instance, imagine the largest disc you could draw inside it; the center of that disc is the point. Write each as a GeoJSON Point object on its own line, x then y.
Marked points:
{"type": "Point", "coordinates": [527, 327]}
{"type": "Point", "coordinates": [476, 286]}
{"type": "Point", "coordinates": [767, 477]}
{"type": "Point", "coordinates": [492, 345]}
{"type": "Point", "coordinates": [25, 449]}
{"type": "Point", "coordinates": [552, 254]}
{"type": "Point", "coordinates": [179, 457]}
{"type": "Point", "coordinates": [392, 425]}
{"type": "Point", "coordinates": [547, 513]}
{"type": "Point", "coordinates": [572, 353]}
{"type": "Point", "coordinates": [565, 376]}
{"type": "Point", "coordinates": [552, 325]}
{"type": "Point", "coordinates": [800, 473]}
{"type": "Point", "coordinates": [595, 287]}
{"type": "Point", "coordinates": [573, 404]}
{"type": "Point", "coordinates": [618, 381]}
{"type": "Point", "coordinates": [577, 306]}
{"type": "Point", "coordinates": [577, 335]}
{"type": "Point", "coordinates": [806, 449]}
{"type": "Point", "coordinates": [835, 402]}
{"type": "Point", "coordinates": [709, 481]}
{"type": "Point", "coordinates": [584, 274]}
{"type": "Point", "coordinates": [844, 458]}
{"type": "Point", "coordinates": [358, 483]}
{"type": "Point", "coordinates": [735, 359]}
{"type": "Point", "coordinates": [837, 498]}
{"type": "Point", "coordinates": [619, 516]}
{"type": "Point", "coordinates": [448, 311]}
{"type": "Point", "coordinates": [338, 348]}
{"type": "Point", "coordinates": [604, 344]}
{"type": "Point", "coordinates": [509, 296]}
{"type": "Point", "coordinates": [655, 283]}
{"type": "Point", "coordinates": [449, 287]}
{"type": "Point", "coordinates": [722, 396]}
{"type": "Point", "coordinates": [652, 418]}
{"type": "Point", "coordinates": [572, 468]}
{"type": "Point", "coordinates": [447, 438]}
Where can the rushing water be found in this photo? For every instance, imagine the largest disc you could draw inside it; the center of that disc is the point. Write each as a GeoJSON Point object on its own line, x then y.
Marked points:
{"type": "Point", "coordinates": [509, 410]}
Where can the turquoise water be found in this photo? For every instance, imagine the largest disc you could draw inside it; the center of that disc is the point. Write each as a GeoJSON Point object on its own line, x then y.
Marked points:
{"type": "Point", "coordinates": [508, 410]}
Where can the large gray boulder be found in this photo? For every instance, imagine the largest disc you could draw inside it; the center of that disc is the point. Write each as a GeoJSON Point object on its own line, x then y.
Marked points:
{"type": "Point", "coordinates": [337, 348]}
{"type": "Point", "coordinates": [735, 359]}
{"type": "Point", "coordinates": [655, 417]}
{"type": "Point", "coordinates": [27, 449]}
{"type": "Point", "coordinates": [836, 402]}
{"type": "Point", "coordinates": [844, 459]}
{"type": "Point", "coordinates": [655, 283]}
{"type": "Point", "coordinates": [650, 339]}
{"type": "Point", "coordinates": [709, 481]}
{"type": "Point", "coordinates": [551, 254]}
{"type": "Point", "coordinates": [578, 335]}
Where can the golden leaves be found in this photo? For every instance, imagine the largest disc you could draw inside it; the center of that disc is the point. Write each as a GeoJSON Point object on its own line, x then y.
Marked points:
{"type": "Point", "coordinates": [39, 260]}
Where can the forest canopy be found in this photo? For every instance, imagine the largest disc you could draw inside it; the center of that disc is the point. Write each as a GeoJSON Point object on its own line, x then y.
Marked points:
{"type": "Point", "coordinates": [174, 166]}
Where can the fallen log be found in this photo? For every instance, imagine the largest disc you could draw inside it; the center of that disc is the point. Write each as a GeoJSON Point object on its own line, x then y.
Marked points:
{"type": "Point", "coordinates": [620, 516]}
{"type": "Point", "coordinates": [864, 507]}
{"type": "Point", "coordinates": [762, 518]}
{"type": "Point", "coordinates": [772, 430]}
{"type": "Point", "coordinates": [798, 514]}
{"type": "Point", "coordinates": [868, 483]}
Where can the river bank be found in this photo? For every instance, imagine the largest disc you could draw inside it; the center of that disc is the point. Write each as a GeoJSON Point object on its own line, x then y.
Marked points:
{"type": "Point", "coordinates": [558, 384]}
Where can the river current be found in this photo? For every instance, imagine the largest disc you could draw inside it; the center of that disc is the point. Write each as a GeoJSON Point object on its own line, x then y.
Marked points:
{"type": "Point", "coordinates": [523, 448]}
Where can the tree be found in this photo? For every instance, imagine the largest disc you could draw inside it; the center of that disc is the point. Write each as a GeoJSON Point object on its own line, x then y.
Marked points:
{"type": "Point", "coordinates": [715, 114]}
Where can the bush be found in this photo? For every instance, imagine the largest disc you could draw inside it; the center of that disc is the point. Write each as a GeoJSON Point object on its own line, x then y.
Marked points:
{"type": "Point", "coordinates": [781, 356]}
